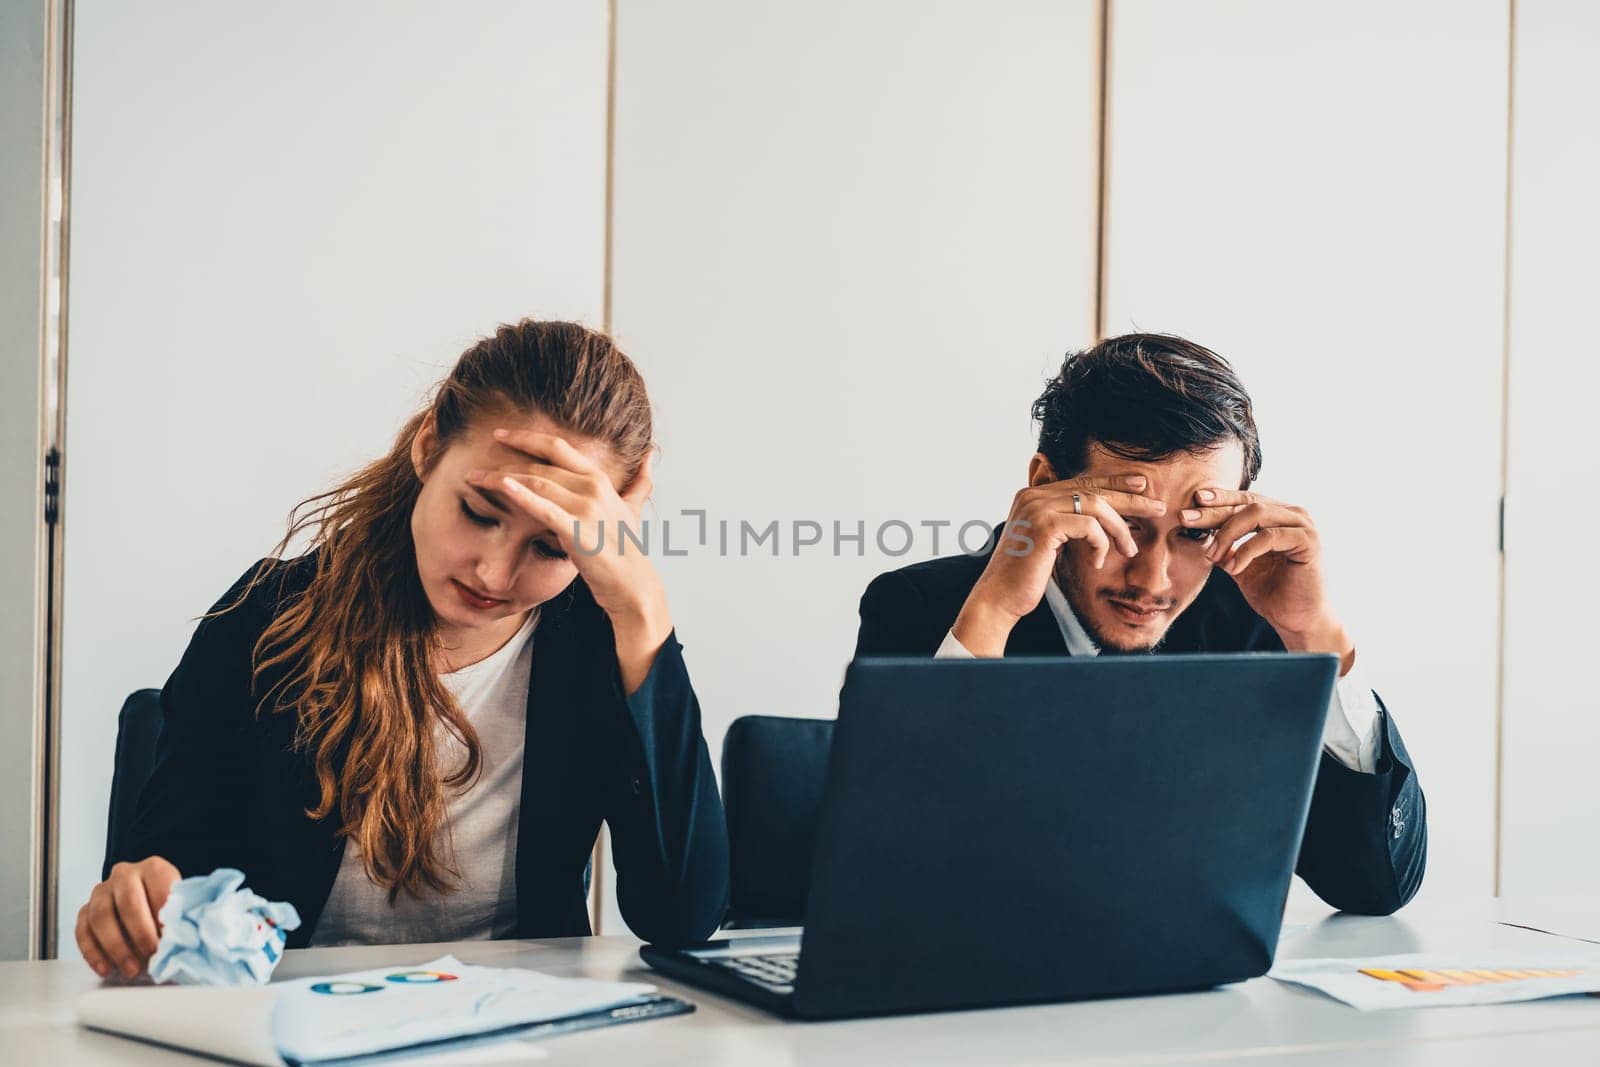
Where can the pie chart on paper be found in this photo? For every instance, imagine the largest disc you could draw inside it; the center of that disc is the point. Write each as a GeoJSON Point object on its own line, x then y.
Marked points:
{"type": "Point", "coordinates": [421, 977]}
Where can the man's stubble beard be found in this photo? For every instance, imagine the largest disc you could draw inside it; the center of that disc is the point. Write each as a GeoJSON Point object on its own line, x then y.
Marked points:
{"type": "Point", "coordinates": [1078, 598]}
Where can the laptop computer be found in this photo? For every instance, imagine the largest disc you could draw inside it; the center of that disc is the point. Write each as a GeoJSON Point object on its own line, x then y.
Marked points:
{"type": "Point", "coordinates": [1048, 828]}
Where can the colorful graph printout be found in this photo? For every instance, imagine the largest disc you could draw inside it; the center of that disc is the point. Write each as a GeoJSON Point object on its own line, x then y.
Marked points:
{"type": "Point", "coordinates": [1556, 968]}
{"type": "Point", "coordinates": [1423, 981]}
{"type": "Point", "coordinates": [421, 977]}
{"type": "Point", "coordinates": [343, 989]}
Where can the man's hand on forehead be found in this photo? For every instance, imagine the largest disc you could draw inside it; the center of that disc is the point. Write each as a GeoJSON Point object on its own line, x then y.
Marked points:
{"type": "Point", "coordinates": [1045, 517]}
{"type": "Point", "coordinates": [1274, 554]}
{"type": "Point", "coordinates": [1126, 493]}
{"type": "Point", "coordinates": [1236, 514]}
{"type": "Point", "coordinates": [1105, 500]}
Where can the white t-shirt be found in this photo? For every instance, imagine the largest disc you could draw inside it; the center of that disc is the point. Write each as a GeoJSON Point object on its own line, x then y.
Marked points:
{"type": "Point", "coordinates": [493, 693]}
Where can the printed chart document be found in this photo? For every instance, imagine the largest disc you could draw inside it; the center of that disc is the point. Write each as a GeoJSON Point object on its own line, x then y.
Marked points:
{"type": "Point", "coordinates": [1436, 979]}
{"type": "Point", "coordinates": [349, 1016]}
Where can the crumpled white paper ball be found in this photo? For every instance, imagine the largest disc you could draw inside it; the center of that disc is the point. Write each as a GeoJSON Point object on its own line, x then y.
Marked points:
{"type": "Point", "coordinates": [215, 933]}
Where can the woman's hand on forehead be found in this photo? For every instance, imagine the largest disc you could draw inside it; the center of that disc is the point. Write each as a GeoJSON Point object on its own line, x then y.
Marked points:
{"type": "Point", "coordinates": [547, 449]}
{"type": "Point", "coordinates": [555, 457]}
{"type": "Point", "coordinates": [572, 495]}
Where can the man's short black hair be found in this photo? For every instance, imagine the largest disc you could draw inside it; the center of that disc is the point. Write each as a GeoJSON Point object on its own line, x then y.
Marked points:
{"type": "Point", "coordinates": [1144, 396]}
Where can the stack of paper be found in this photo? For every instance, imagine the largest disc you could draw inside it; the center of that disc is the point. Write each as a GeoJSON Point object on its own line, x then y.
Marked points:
{"type": "Point", "coordinates": [350, 1015]}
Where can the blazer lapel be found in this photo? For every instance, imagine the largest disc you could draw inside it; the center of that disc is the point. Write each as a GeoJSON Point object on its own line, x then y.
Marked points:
{"type": "Point", "coordinates": [1036, 634]}
{"type": "Point", "coordinates": [560, 813]}
{"type": "Point", "coordinates": [554, 702]}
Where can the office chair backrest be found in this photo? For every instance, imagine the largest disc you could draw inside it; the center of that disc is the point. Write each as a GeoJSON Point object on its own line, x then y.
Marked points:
{"type": "Point", "coordinates": [773, 772]}
{"type": "Point", "coordinates": [138, 726]}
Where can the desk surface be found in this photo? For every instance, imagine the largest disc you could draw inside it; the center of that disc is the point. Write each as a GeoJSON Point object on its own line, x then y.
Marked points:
{"type": "Point", "coordinates": [1254, 1022]}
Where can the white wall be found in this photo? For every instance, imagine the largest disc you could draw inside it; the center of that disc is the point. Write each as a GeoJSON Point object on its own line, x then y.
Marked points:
{"type": "Point", "coordinates": [288, 222]}
{"type": "Point", "coordinates": [1317, 192]}
{"type": "Point", "coordinates": [852, 241]}
{"type": "Point", "coordinates": [1552, 704]}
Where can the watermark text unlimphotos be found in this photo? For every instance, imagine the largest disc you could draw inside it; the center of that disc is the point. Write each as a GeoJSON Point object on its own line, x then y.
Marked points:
{"type": "Point", "coordinates": [694, 531]}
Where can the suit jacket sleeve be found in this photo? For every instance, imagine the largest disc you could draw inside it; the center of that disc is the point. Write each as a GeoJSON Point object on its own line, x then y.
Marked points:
{"type": "Point", "coordinates": [184, 813]}
{"type": "Point", "coordinates": [1366, 841]}
{"type": "Point", "coordinates": [669, 835]}
{"type": "Point", "coordinates": [895, 620]}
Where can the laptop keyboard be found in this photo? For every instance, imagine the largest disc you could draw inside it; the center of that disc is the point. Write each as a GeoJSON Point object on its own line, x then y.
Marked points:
{"type": "Point", "coordinates": [775, 972]}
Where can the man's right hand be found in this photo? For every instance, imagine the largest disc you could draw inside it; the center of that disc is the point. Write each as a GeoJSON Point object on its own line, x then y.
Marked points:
{"type": "Point", "coordinates": [1041, 523]}
{"type": "Point", "coordinates": [119, 927]}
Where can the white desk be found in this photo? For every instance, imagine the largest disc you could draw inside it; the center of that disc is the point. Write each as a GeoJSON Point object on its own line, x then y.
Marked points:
{"type": "Point", "coordinates": [1256, 1022]}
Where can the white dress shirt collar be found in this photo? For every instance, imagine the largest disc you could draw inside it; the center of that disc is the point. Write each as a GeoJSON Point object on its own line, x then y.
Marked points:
{"type": "Point", "coordinates": [1072, 632]}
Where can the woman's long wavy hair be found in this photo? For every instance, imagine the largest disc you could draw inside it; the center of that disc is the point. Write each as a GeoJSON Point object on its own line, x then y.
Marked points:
{"type": "Point", "coordinates": [358, 651]}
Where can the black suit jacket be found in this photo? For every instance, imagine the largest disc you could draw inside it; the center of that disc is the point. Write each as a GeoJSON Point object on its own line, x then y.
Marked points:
{"type": "Point", "coordinates": [230, 790]}
{"type": "Point", "coordinates": [1366, 840]}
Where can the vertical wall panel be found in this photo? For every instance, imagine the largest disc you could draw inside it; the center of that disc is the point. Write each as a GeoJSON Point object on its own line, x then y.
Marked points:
{"type": "Point", "coordinates": [852, 239]}
{"type": "Point", "coordinates": [1552, 703]}
{"type": "Point", "coordinates": [25, 88]}
{"type": "Point", "coordinates": [288, 221]}
{"type": "Point", "coordinates": [1317, 191]}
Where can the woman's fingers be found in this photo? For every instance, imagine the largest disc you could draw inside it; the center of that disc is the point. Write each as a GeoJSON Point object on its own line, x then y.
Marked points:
{"type": "Point", "coordinates": [95, 956]}
{"type": "Point", "coordinates": [638, 490]}
{"type": "Point", "coordinates": [550, 448]}
{"type": "Point", "coordinates": [574, 481]}
{"type": "Point", "coordinates": [159, 876]}
{"type": "Point", "coordinates": [562, 467]}
{"type": "Point", "coordinates": [120, 926]}
{"type": "Point", "coordinates": [542, 509]}
{"type": "Point", "coordinates": [108, 932]}
{"type": "Point", "coordinates": [547, 488]}
{"type": "Point", "coordinates": [133, 909]}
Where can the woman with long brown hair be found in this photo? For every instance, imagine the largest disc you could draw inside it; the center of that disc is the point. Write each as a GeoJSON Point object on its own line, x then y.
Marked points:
{"type": "Point", "coordinates": [413, 731]}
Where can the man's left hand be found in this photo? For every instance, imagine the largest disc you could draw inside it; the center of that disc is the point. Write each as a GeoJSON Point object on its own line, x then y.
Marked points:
{"type": "Point", "coordinates": [1274, 554]}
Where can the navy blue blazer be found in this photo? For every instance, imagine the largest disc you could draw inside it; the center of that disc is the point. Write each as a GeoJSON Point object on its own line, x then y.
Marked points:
{"type": "Point", "coordinates": [230, 790]}
{"type": "Point", "coordinates": [1366, 840]}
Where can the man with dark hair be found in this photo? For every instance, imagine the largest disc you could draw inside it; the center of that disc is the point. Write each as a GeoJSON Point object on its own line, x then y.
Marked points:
{"type": "Point", "coordinates": [1138, 533]}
